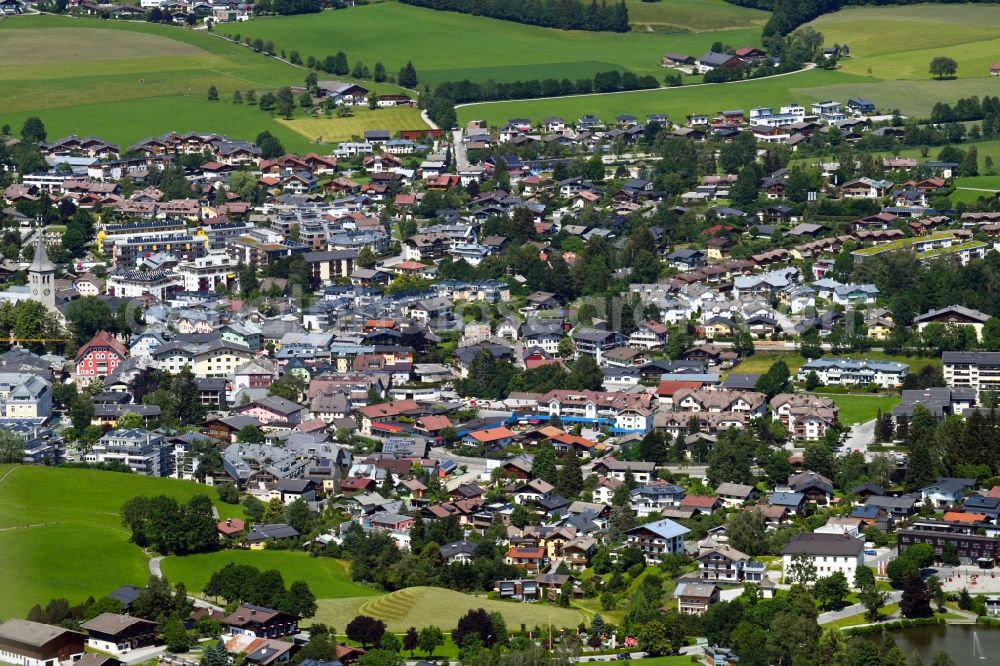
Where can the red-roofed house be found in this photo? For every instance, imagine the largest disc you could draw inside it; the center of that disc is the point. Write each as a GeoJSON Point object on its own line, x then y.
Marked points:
{"type": "Point", "coordinates": [492, 437]}
{"type": "Point", "coordinates": [701, 503]}
{"type": "Point", "coordinates": [667, 388]}
{"type": "Point", "coordinates": [384, 412]}
{"type": "Point", "coordinates": [99, 357]}
{"type": "Point", "coordinates": [230, 527]}
{"type": "Point", "coordinates": [962, 517]}
{"type": "Point", "coordinates": [529, 559]}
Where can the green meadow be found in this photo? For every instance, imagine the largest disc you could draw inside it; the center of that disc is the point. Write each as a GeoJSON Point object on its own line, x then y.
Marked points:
{"type": "Point", "coordinates": [61, 535]}
{"type": "Point", "coordinates": [899, 42]}
{"type": "Point", "coordinates": [129, 121]}
{"type": "Point", "coordinates": [692, 15]}
{"type": "Point", "coordinates": [126, 80]}
{"type": "Point", "coordinates": [423, 606]}
{"type": "Point", "coordinates": [862, 408]}
{"type": "Point", "coordinates": [675, 102]}
{"type": "Point", "coordinates": [447, 46]}
{"type": "Point", "coordinates": [327, 578]}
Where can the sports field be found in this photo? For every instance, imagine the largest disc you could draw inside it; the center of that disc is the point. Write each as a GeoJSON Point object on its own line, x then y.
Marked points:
{"type": "Point", "coordinates": [61, 536]}
{"type": "Point", "coordinates": [343, 129]}
{"type": "Point", "coordinates": [423, 606]}
{"type": "Point", "coordinates": [447, 46]}
{"type": "Point", "coordinates": [327, 578]}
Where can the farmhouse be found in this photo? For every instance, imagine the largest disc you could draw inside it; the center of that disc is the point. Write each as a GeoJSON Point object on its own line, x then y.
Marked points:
{"type": "Point", "coordinates": [26, 643]}
{"type": "Point", "coordinates": [119, 634]}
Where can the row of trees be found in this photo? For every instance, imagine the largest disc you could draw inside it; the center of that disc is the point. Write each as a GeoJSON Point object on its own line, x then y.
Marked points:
{"type": "Point", "coordinates": [245, 584]}
{"type": "Point", "coordinates": [465, 91]}
{"type": "Point", "coordinates": [564, 14]}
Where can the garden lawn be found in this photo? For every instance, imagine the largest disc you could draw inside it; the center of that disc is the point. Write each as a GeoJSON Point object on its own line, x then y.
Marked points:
{"type": "Point", "coordinates": [761, 362]}
{"type": "Point", "coordinates": [478, 48]}
{"type": "Point", "coordinates": [328, 578]}
{"type": "Point", "coordinates": [862, 408]}
{"type": "Point", "coordinates": [61, 535]}
{"type": "Point", "coordinates": [423, 606]}
{"type": "Point", "coordinates": [343, 129]}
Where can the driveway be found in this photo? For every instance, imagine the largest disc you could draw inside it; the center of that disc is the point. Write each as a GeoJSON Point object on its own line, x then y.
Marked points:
{"type": "Point", "coordinates": [854, 609]}
{"type": "Point", "coordinates": [861, 436]}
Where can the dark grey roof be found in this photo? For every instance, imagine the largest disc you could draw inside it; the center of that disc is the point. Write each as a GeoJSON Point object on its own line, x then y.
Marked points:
{"type": "Point", "coordinates": [823, 544]}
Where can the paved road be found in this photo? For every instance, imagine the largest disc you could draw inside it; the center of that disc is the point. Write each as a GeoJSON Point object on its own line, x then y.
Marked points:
{"type": "Point", "coordinates": [854, 609]}
{"type": "Point", "coordinates": [861, 436]}
{"type": "Point", "coordinates": [154, 567]}
{"type": "Point", "coordinates": [461, 157]}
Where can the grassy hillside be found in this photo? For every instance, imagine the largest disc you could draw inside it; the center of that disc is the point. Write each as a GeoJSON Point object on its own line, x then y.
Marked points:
{"type": "Point", "coordinates": [676, 102]}
{"type": "Point", "coordinates": [423, 606]}
{"type": "Point", "coordinates": [61, 536]}
{"type": "Point", "coordinates": [899, 42]}
{"type": "Point", "coordinates": [693, 15]}
{"type": "Point", "coordinates": [447, 46]}
{"type": "Point", "coordinates": [125, 80]}
{"type": "Point", "coordinates": [327, 578]}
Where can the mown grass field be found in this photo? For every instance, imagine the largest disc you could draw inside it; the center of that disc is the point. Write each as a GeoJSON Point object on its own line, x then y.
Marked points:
{"type": "Point", "coordinates": [862, 408]}
{"type": "Point", "coordinates": [327, 578]}
{"type": "Point", "coordinates": [691, 15]}
{"type": "Point", "coordinates": [970, 188]}
{"type": "Point", "coordinates": [343, 129]}
{"type": "Point", "coordinates": [61, 535]}
{"type": "Point", "coordinates": [129, 121]}
{"type": "Point", "coordinates": [447, 46]}
{"type": "Point", "coordinates": [126, 80]}
{"type": "Point", "coordinates": [899, 42]}
{"type": "Point", "coordinates": [423, 606]}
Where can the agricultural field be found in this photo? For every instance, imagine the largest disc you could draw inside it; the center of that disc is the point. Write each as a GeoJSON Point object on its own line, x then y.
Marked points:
{"type": "Point", "coordinates": [61, 536]}
{"type": "Point", "coordinates": [144, 80]}
{"type": "Point", "coordinates": [899, 42]}
{"type": "Point", "coordinates": [881, 68]}
{"type": "Point", "coordinates": [156, 115]}
{"type": "Point", "coordinates": [323, 129]}
{"type": "Point", "coordinates": [480, 48]}
{"type": "Point", "coordinates": [328, 578]}
{"type": "Point", "coordinates": [423, 606]}
{"type": "Point", "coordinates": [970, 188]}
{"type": "Point", "coordinates": [861, 408]}
{"type": "Point", "coordinates": [691, 15]}
{"type": "Point", "coordinates": [675, 102]}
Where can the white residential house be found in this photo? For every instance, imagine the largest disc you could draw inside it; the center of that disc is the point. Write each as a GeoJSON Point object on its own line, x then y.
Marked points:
{"type": "Point", "coordinates": [828, 553]}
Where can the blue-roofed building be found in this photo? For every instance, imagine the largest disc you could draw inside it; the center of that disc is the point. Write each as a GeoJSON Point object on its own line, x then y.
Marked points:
{"type": "Point", "coordinates": [664, 537]}
{"type": "Point", "coordinates": [990, 506]}
{"type": "Point", "coordinates": [847, 371]}
{"type": "Point", "coordinates": [792, 501]}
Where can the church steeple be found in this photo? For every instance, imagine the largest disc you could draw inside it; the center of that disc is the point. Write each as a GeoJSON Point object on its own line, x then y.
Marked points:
{"type": "Point", "coordinates": [41, 275]}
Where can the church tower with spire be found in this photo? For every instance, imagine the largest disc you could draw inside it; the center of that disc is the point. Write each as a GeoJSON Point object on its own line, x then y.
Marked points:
{"type": "Point", "coordinates": [42, 275]}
